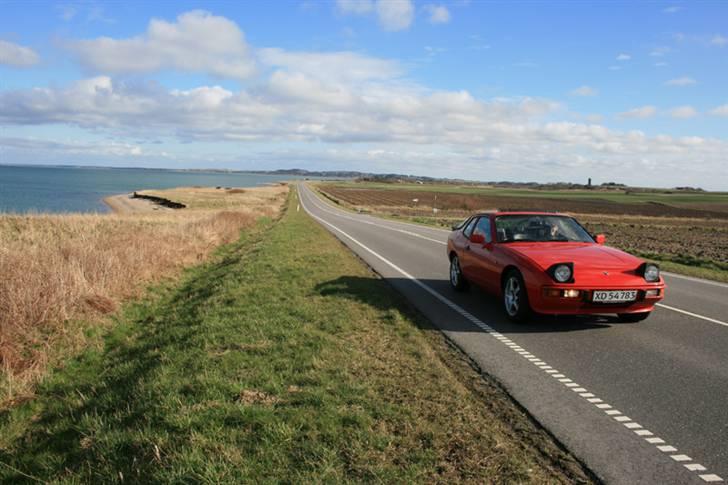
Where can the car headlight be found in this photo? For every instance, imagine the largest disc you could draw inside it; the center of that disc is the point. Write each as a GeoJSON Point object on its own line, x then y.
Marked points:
{"type": "Point", "coordinates": [651, 272]}
{"type": "Point", "coordinates": [562, 272]}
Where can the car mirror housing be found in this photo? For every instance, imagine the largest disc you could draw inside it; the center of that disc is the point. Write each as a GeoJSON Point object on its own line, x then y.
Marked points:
{"type": "Point", "coordinates": [477, 239]}
{"type": "Point", "coordinates": [601, 238]}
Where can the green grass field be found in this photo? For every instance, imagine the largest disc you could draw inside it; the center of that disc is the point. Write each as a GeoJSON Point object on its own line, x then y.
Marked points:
{"type": "Point", "coordinates": [284, 359]}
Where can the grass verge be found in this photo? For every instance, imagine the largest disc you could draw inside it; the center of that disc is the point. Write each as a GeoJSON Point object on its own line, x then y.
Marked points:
{"type": "Point", "coordinates": [63, 274]}
{"type": "Point", "coordinates": [708, 270]}
{"type": "Point", "coordinates": [284, 359]}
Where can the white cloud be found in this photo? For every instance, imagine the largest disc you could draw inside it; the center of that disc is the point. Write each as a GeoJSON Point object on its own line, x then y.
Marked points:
{"type": "Point", "coordinates": [394, 15]}
{"type": "Point", "coordinates": [439, 14]}
{"type": "Point", "coordinates": [356, 7]}
{"type": "Point", "coordinates": [672, 9]}
{"type": "Point", "coordinates": [683, 112]}
{"type": "Point", "coordinates": [197, 42]}
{"type": "Point", "coordinates": [73, 148]}
{"type": "Point", "coordinates": [369, 125]}
{"type": "Point", "coordinates": [681, 81]}
{"type": "Point", "coordinates": [624, 57]}
{"type": "Point", "coordinates": [67, 12]}
{"type": "Point", "coordinates": [660, 51]}
{"type": "Point", "coordinates": [343, 108]}
{"type": "Point", "coordinates": [720, 110]}
{"type": "Point", "coordinates": [331, 66]}
{"type": "Point", "coordinates": [585, 91]}
{"type": "Point", "coordinates": [719, 40]}
{"type": "Point", "coordinates": [643, 112]}
{"type": "Point", "coordinates": [17, 55]}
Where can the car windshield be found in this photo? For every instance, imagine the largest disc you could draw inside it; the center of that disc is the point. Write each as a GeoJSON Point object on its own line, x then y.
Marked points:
{"type": "Point", "coordinates": [540, 228]}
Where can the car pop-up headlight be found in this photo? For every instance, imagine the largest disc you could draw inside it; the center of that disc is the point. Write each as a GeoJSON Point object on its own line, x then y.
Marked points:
{"type": "Point", "coordinates": [651, 272]}
{"type": "Point", "coordinates": [562, 272]}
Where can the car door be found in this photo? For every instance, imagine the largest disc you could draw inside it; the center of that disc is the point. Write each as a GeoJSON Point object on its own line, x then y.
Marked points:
{"type": "Point", "coordinates": [484, 266]}
{"type": "Point", "coordinates": [467, 263]}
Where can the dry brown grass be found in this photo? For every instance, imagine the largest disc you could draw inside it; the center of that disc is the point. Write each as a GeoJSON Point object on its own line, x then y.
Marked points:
{"type": "Point", "coordinates": [58, 270]}
{"type": "Point", "coordinates": [212, 198]}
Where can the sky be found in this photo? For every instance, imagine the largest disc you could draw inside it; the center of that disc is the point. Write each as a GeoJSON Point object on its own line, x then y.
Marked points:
{"type": "Point", "coordinates": [617, 91]}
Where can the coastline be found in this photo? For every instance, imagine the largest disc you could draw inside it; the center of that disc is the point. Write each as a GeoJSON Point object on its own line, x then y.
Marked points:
{"type": "Point", "coordinates": [126, 204]}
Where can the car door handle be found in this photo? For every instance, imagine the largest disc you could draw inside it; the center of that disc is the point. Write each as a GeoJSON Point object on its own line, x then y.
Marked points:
{"type": "Point", "coordinates": [467, 248]}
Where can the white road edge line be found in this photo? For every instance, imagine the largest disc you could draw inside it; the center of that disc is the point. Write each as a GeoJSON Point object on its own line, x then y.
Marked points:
{"type": "Point", "coordinates": [410, 233]}
{"type": "Point", "coordinates": [419, 226]}
{"type": "Point", "coordinates": [685, 312]}
{"type": "Point", "coordinates": [697, 280]}
{"type": "Point", "coordinates": [619, 417]}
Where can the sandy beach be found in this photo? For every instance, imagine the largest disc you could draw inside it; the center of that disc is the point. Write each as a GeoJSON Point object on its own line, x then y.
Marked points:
{"type": "Point", "coordinates": [126, 204]}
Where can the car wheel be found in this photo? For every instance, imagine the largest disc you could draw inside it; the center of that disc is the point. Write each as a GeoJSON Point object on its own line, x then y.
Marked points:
{"type": "Point", "coordinates": [633, 317]}
{"type": "Point", "coordinates": [515, 297]}
{"type": "Point", "coordinates": [457, 280]}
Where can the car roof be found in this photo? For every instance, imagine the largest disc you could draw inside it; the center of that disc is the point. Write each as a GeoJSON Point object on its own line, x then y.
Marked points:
{"type": "Point", "coordinates": [497, 213]}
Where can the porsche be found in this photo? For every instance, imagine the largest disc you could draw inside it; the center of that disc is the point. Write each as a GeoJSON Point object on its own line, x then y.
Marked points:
{"type": "Point", "coordinates": [548, 263]}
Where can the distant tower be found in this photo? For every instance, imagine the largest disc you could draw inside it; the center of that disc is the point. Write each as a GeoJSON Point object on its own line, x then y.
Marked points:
{"type": "Point", "coordinates": [589, 184]}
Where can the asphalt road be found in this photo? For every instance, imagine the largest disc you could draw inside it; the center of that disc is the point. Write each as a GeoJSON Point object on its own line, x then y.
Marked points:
{"type": "Point", "coordinates": [637, 403]}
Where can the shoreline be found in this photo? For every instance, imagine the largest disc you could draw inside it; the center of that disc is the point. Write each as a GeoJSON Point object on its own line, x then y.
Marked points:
{"type": "Point", "coordinates": [126, 204]}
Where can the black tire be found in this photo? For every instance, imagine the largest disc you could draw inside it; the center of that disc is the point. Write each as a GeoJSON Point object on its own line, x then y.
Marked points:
{"type": "Point", "coordinates": [457, 280]}
{"type": "Point", "coordinates": [633, 317]}
{"type": "Point", "coordinates": [515, 298]}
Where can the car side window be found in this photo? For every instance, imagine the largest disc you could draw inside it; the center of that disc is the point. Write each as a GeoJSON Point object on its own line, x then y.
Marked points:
{"type": "Point", "coordinates": [483, 227]}
{"type": "Point", "coordinates": [469, 227]}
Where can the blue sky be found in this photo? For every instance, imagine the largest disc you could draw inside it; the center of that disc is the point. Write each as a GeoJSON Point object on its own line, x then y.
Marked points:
{"type": "Point", "coordinates": [628, 91]}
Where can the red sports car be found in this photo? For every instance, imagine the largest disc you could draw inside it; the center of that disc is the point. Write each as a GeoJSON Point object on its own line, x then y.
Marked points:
{"type": "Point", "coordinates": [541, 262]}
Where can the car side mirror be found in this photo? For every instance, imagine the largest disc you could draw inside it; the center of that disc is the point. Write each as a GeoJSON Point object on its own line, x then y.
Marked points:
{"type": "Point", "coordinates": [601, 238]}
{"type": "Point", "coordinates": [477, 239]}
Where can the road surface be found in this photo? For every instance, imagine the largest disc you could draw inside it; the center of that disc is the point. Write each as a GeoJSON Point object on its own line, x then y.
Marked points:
{"type": "Point", "coordinates": [637, 403]}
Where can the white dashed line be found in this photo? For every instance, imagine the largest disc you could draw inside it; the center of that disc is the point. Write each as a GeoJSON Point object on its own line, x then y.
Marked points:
{"type": "Point", "coordinates": [667, 448]}
{"type": "Point", "coordinates": [548, 370]}
{"type": "Point", "coordinates": [711, 478]}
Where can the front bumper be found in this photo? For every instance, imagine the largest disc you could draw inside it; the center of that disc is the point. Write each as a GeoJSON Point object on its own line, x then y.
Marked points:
{"type": "Point", "coordinates": [574, 300]}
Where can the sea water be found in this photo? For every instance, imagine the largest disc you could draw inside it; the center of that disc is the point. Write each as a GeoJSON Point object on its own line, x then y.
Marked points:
{"type": "Point", "coordinates": [81, 189]}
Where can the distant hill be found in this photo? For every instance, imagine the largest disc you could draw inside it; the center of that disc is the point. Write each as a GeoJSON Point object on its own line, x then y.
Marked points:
{"type": "Point", "coordinates": [409, 179]}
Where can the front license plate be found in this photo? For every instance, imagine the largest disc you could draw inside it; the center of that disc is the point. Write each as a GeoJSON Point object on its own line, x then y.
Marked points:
{"type": "Point", "coordinates": [614, 296]}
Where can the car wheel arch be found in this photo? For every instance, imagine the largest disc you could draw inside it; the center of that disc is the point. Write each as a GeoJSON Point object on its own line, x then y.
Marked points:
{"type": "Point", "coordinates": [505, 273]}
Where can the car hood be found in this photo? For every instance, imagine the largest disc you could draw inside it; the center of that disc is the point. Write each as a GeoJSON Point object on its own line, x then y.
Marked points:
{"type": "Point", "coordinates": [584, 255]}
